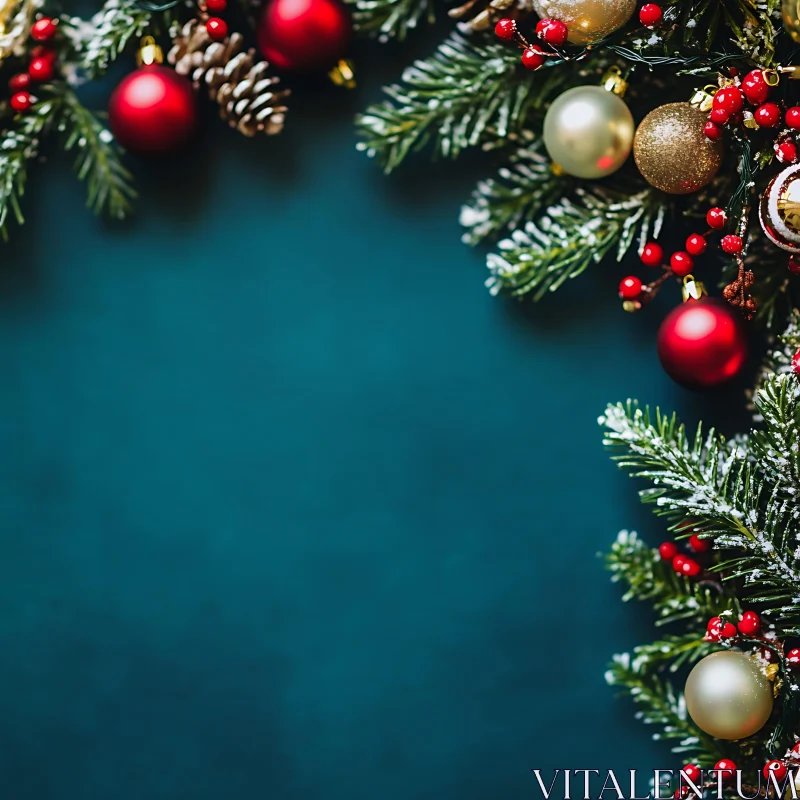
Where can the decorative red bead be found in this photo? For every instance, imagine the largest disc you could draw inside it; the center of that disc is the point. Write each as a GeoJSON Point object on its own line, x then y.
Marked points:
{"type": "Point", "coordinates": [727, 768]}
{"type": "Point", "coordinates": [796, 363]}
{"type": "Point", "coordinates": [552, 31]}
{"type": "Point", "coordinates": [21, 101]}
{"type": "Point", "coordinates": [719, 115]}
{"type": "Point", "coordinates": [749, 624]}
{"type": "Point", "coordinates": [684, 565]}
{"type": "Point", "coordinates": [768, 115]}
{"type": "Point", "coordinates": [216, 6]}
{"type": "Point", "coordinates": [692, 772]}
{"type": "Point", "coordinates": [652, 254]}
{"type": "Point", "coordinates": [755, 87]}
{"type": "Point", "coordinates": [732, 244]}
{"type": "Point", "coordinates": [793, 656]}
{"type": "Point", "coordinates": [786, 152]}
{"type": "Point", "coordinates": [728, 631]}
{"type": "Point", "coordinates": [41, 69]}
{"type": "Point", "coordinates": [217, 28]}
{"type": "Point", "coordinates": [699, 545]}
{"type": "Point", "coordinates": [730, 98]}
{"type": "Point", "coordinates": [682, 263]}
{"type": "Point", "coordinates": [712, 131]}
{"type": "Point", "coordinates": [19, 82]}
{"type": "Point", "coordinates": [793, 117]}
{"type": "Point", "coordinates": [650, 15]}
{"type": "Point", "coordinates": [43, 29]}
{"type": "Point", "coordinates": [715, 218]}
{"type": "Point", "coordinates": [714, 625]}
{"type": "Point", "coordinates": [532, 58]}
{"type": "Point", "coordinates": [505, 28]}
{"type": "Point", "coordinates": [696, 244]}
{"type": "Point", "coordinates": [775, 767]}
{"type": "Point", "coordinates": [794, 265]}
{"type": "Point", "coordinates": [667, 551]}
{"type": "Point", "coordinates": [630, 288]}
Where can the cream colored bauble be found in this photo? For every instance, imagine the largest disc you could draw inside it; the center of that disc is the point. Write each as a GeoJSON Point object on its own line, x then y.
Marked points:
{"type": "Point", "coordinates": [728, 695]}
{"type": "Point", "coordinates": [587, 21]}
{"type": "Point", "coordinates": [588, 131]}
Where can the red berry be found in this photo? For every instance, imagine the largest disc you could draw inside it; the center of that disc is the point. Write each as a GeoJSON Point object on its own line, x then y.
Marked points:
{"type": "Point", "coordinates": [40, 51]}
{"type": "Point", "coordinates": [41, 69]}
{"type": "Point", "coordinates": [795, 751]}
{"type": "Point", "coordinates": [793, 117]}
{"type": "Point", "coordinates": [216, 6]}
{"type": "Point", "coordinates": [505, 28]}
{"type": "Point", "coordinates": [712, 131]}
{"type": "Point", "coordinates": [793, 656]}
{"type": "Point", "coordinates": [732, 244]}
{"type": "Point", "coordinates": [532, 58]}
{"type": "Point", "coordinates": [796, 363]}
{"type": "Point", "coordinates": [755, 88]}
{"type": "Point", "coordinates": [727, 768]}
{"type": "Point", "coordinates": [719, 115]}
{"type": "Point", "coordinates": [777, 768]}
{"type": "Point", "coordinates": [667, 551]}
{"type": "Point", "coordinates": [681, 263]}
{"type": "Point", "coordinates": [630, 288]}
{"type": "Point", "coordinates": [715, 218]}
{"type": "Point", "coordinates": [714, 625]}
{"type": "Point", "coordinates": [787, 152]}
{"type": "Point", "coordinates": [217, 28]}
{"type": "Point", "coordinates": [650, 15]}
{"type": "Point", "coordinates": [21, 101]}
{"type": "Point", "coordinates": [728, 631]}
{"type": "Point", "coordinates": [19, 82]}
{"type": "Point", "coordinates": [794, 265]}
{"type": "Point", "coordinates": [696, 244]}
{"type": "Point", "coordinates": [552, 31]}
{"type": "Point", "coordinates": [692, 772]}
{"type": "Point", "coordinates": [730, 98]}
{"type": "Point", "coordinates": [699, 545]}
{"type": "Point", "coordinates": [681, 793]}
{"type": "Point", "coordinates": [749, 624]}
{"type": "Point", "coordinates": [684, 565]}
{"type": "Point", "coordinates": [653, 254]}
{"type": "Point", "coordinates": [43, 29]}
{"type": "Point", "coordinates": [767, 116]}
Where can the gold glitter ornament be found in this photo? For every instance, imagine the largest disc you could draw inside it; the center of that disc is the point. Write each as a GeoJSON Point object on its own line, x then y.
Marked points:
{"type": "Point", "coordinates": [588, 131]}
{"type": "Point", "coordinates": [587, 21]}
{"type": "Point", "coordinates": [728, 695]}
{"type": "Point", "coordinates": [779, 209]}
{"type": "Point", "coordinates": [672, 152]}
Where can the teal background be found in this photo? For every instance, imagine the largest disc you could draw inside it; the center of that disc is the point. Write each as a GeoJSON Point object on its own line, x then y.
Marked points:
{"type": "Point", "coordinates": [290, 507]}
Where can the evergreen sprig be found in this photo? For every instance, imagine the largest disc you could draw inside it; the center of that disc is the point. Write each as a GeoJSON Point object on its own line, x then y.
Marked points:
{"type": "Point", "coordinates": [391, 19]}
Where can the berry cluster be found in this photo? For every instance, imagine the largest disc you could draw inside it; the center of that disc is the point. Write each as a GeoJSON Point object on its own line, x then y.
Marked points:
{"type": "Point", "coordinates": [683, 564]}
{"type": "Point", "coordinates": [41, 67]}
{"type": "Point", "coordinates": [552, 32]}
{"type": "Point", "coordinates": [216, 27]}
{"type": "Point", "coordinates": [725, 769]}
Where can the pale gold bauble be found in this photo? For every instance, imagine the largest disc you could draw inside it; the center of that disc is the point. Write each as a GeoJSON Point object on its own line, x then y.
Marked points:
{"type": "Point", "coordinates": [728, 695]}
{"type": "Point", "coordinates": [587, 21]}
{"type": "Point", "coordinates": [588, 131]}
{"type": "Point", "coordinates": [672, 152]}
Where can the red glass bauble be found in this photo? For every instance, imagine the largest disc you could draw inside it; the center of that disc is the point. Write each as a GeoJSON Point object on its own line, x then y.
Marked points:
{"type": "Point", "coordinates": [304, 35]}
{"type": "Point", "coordinates": [702, 343]}
{"type": "Point", "coordinates": [153, 110]}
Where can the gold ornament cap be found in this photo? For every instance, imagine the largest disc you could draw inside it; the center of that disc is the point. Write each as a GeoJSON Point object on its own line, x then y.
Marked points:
{"type": "Point", "coordinates": [692, 289]}
{"type": "Point", "coordinates": [343, 74]}
{"type": "Point", "coordinates": [149, 53]}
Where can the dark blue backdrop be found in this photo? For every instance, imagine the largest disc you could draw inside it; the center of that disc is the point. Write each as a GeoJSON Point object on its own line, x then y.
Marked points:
{"type": "Point", "coordinates": [289, 506]}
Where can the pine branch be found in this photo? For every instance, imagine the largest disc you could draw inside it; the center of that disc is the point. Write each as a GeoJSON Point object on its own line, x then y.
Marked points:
{"type": "Point", "coordinates": [462, 95]}
{"type": "Point", "coordinates": [571, 235]}
{"type": "Point", "coordinates": [99, 163]}
{"type": "Point", "coordinates": [514, 196]}
{"type": "Point", "coordinates": [18, 145]}
{"type": "Point", "coordinates": [391, 19]}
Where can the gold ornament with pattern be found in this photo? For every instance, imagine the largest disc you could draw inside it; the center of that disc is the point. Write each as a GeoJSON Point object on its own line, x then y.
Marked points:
{"type": "Point", "coordinates": [779, 209]}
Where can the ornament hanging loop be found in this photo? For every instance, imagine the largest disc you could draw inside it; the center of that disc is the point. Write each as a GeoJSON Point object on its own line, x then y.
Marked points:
{"type": "Point", "coordinates": [149, 53]}
{"type": "Point", "coordinates": [703, 99]}
{"type": "Point", "coordinates": [614, 82]}
{"type": "Point", "coordinates": [692, 289]}
{"type": "Point", "coordinates": [343, 75]}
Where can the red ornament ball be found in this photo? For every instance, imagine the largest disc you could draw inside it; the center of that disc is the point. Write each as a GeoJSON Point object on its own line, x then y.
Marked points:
{"type": "Point", "coordinates": [532, 58]}
{"type": "Point", "coordinates": [727, 768]}
{"type": "Point", "coordinates": [217, 28]}
{"type": "Point", "coordinates": [306, 35]}
{"type": "Point", "coordinates": [732, 244]}
{"type": "Point", "coordinates": [653, 254]}
{"type": "Point", "coordinates": [552, 31]}
{"type": "Point", "coordinates": [749, 624]}
{"type": "Point", "coordinates": [216, 6]}
{"type": "Point", "coordinates": [719, 115]}
{"type": "Point", "coordinates": [692, 772]}
{"type": "Point", "coordinates": [681, 263]}
{"type": "Point", "coordinates": [21, 101]}
{"type": "Point", "coordinates": [43, 29]}
{"type": "Point", "coordinates": [730, 98]}
{"type": "Point", "coordinates": [696, 244]}
{"type": "Point", "coordinates": [776, 768]}
{"type": "Point", "coordinates": [712, 131]}
{"type": "Point", "coordinates": [715, 218]}
{"type": "Point", "coordinates": [786, 152]}
{"type": "Point", "coordinates": [41, 69]}
{"type": "Point", "coordinates": [650, 15]}
{"type": "Point", "coordinates": [793, 656]}
{"type": "Point", "coordinates": [152, 110]}
{"type": "Point", "coordinates": [702, 343]}
{"type": "Point", "coordinates": [796, 363]}
{"type": "Point", "coordinates": [793, 117]}
{"type": "Point", "coordinates": [19, 82]}
{"type": "Point", "coordinates": [667, 551]}
{"type": "Point", "coordinates": [755, 87]}
{"type": "Point", "coordinates": [699, 545]}
{"type": "Point", "coordinates": [767, 115]}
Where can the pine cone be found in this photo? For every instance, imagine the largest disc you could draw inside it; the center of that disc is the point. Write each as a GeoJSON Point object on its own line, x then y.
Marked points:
{"type": "Point", "coordinates": [241, 86]}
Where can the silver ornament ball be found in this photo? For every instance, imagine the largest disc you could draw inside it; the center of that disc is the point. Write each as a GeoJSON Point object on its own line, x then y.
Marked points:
{"type": "Point", "coordinates": [728, 695]}
{"type": "Point", "coordinates": [588, 131]}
